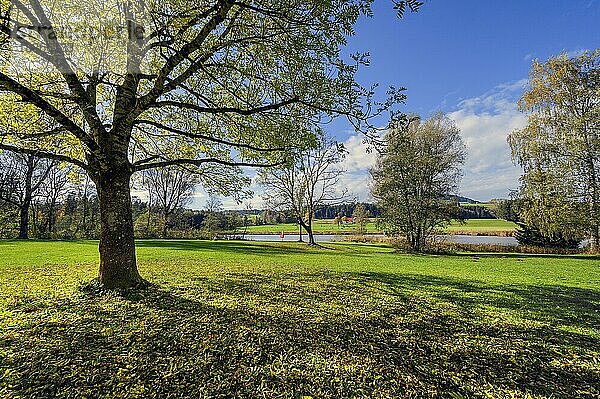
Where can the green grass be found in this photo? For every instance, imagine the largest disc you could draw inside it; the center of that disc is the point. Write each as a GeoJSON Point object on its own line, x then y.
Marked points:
{"type": "Point", "coordinates": [482, 226]}
{"type": "Point", "coordinates": [320, 226]}
{"type": "Point", "coordinates": [482, 204]}
{"type": "Point", "coordinates": [281, 320]}
{"type": "Point", "coordinates": [471, 226]}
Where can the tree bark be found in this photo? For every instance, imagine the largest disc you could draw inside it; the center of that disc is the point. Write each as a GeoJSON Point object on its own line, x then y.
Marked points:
{"type": "Point", "coordinates": [308, 228]}
{"type": "Point", "coordinates": [165, 226]}
{"type": "Point", "coordinates": [118, 267]}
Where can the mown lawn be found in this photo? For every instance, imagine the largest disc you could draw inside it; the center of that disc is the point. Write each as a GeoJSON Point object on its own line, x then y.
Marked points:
{"type": "Point", "coordinates": [281, 320]}
{"type": "Point", "coordinates": [326, 226]}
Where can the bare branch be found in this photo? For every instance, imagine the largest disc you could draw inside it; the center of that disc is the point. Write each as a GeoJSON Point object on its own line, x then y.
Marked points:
{"type": "Point", "coordinates": [206, 137]}
{"type": "Point", "coordinates": [148, 164]}
{"type": "Point", "coordinates": [45, 154]}
{"type": "Point", "coordinates": [225, 110]}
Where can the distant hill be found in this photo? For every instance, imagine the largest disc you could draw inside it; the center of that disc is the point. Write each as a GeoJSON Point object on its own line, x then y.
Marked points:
{"type": "Point", "coordinates": [463, 199]}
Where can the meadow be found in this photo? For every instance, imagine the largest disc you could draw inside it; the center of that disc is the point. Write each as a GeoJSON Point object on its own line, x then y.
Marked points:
{"type": "Point", "coordinates": [327, 226]}
{"type": "Point", "coordinates": [284, 320]}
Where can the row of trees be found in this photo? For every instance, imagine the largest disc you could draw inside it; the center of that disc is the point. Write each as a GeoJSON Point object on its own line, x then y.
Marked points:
{"type": "Point", "coordinates": [45, 196]}
{"type": "Point", "coordinates": [49, 199]}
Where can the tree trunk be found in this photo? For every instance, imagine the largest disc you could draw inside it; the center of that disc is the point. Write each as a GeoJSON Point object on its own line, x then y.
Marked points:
{"type": "Point", "coordinates": [118, 267]}
{"type": "Point", "coordinates": [309, 230]}
{"type": "Point", "coordinates": [26, 203]}
{"type": "Point", "coordinates": [300, 231]}
{"type": "Point", "coordinates": [51, 216]}
{"type": "Point", "coordinates": [595, 240]}
{"type": "Point", "coordinates": [165, 226]}
{"type": "Point", "coordinates": [24, 217]}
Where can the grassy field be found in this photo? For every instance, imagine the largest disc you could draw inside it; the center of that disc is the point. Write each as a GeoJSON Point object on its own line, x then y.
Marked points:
{"type": "Point", "coordinates": [471, 226]}
{"type": "Point", "coordinates": [282, 320]}
{"type": "Point", "coordinates": [482, 227]}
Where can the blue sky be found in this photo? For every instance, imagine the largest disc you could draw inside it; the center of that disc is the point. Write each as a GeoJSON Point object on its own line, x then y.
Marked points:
{"type": "Point", "coordinates": [470, 59]}
{"type": "Point", "coordinates": [453, 50]}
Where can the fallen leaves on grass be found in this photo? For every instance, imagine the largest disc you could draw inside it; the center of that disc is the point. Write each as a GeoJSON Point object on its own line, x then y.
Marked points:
{"type": "Point", "coordinates": [299, 335]}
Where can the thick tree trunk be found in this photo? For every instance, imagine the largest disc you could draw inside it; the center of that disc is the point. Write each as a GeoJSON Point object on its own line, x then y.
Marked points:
{"type": "Point", "coordinates": [118, 267]}
{"type": "Point", "coordinates": [300, 231]}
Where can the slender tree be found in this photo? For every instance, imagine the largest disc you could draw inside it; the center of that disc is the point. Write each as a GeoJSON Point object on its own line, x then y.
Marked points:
{"type": "Point", "coordinates": [418, 168]}
{"type": "Point", "coordinates": [172, 188]}
{"type": "Point", "coordinates": [309, 183]}
{"type": "Point", "coordinates": [559, 149]}
{"type": "Point", "coordinates": [129, 86]}
{"type": "Point", "coordinates": [21, 176]}
{"type": "Point", "coordinates": [360, 217]}
{"type": "Point", "coordinates": [54, 188]}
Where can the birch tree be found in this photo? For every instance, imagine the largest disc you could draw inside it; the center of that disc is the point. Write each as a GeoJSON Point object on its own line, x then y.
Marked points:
{"type": "Point", "coordinates": [559, 149]}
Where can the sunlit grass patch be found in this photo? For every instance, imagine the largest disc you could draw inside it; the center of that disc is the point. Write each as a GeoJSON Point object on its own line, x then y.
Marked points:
{"type": "Point", "coordinates": [280, 320]}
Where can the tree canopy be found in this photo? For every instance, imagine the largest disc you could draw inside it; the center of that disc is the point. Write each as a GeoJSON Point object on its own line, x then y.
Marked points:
{"type": "Point", "coordinates": [419, 167]}
{"type": "Point", "coordinates": [118, 87]}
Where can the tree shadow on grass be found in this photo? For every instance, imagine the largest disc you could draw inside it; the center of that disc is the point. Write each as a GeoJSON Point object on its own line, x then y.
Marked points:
{"type": "Point", "coordinates": [328, 335]}
{"type": "Point", "coordinates": [524, 256]}
{"type": "Point", "coordinates": [230, 246]}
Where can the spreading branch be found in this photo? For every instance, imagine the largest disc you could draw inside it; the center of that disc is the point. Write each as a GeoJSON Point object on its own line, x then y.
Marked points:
{"type": "Point", "coordinates": [148, 164]}
{"type": "Point", "coordinates": [44, 154]}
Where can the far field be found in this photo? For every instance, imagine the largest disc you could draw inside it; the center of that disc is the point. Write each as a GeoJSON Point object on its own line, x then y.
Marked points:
{"type": "Point", "coordinates": [326, 226]}
{"type": "Point", "coordinates": [282, 320]}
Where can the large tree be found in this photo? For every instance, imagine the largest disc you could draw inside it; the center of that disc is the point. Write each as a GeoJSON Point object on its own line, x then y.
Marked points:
{"type": "Point", "coordinates": [117, 87]}
{"type": "Point", "coordinates": [418, 168]}
{"type": "Point", "coordinates": [559, 149]}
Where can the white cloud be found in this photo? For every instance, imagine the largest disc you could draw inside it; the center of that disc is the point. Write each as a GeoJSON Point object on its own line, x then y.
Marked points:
{"type": "Point", "coordinates": [357, 164]}
{"type": "Point", "coordinates": [485, 122]}
{"type": "Point", "coordinates": [358, 158]}
{"type": "Point", "coordinates": [200, 196]}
